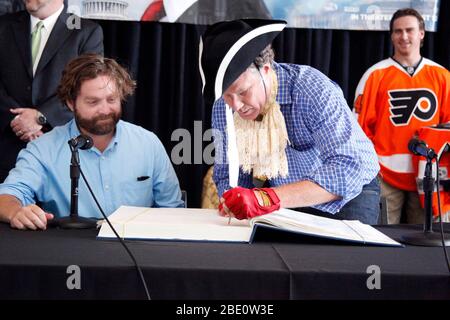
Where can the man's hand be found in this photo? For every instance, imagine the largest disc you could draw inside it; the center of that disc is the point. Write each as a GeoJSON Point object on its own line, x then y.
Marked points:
{"type": "Point", "coordinates": [24, 124]}
{"type": "Point", "coordinates": [27, 137]}
{"type": "Point", "coordinates": [243, 203]}
{"type": "Point", "coordinates": [30, 217]}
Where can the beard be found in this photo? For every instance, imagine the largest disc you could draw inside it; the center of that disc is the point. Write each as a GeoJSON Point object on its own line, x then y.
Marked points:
{"type": "Point", "coordinates": [100, 125]}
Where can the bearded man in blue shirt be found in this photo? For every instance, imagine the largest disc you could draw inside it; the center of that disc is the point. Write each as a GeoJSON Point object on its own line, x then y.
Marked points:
{"type": "Point", "coordinates": [127, 165]}
{"type": "Point", "coordinates": [285, 136]}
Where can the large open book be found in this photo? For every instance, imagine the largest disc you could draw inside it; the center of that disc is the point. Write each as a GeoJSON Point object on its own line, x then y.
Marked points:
{"type": "Point", "coordinates": [207, 225]}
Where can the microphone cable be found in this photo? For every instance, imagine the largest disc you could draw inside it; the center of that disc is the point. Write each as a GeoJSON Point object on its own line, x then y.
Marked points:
{"type": "Point", "coordinates": [440, 215]}
{"type": "Point", "coordinates": [141, 275]}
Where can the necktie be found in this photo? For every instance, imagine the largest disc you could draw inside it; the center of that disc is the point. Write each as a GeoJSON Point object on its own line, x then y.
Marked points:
{"type": "Point", "coordinates": [36, 40]}
{"type": "Point", "coordinates": [154, 11]}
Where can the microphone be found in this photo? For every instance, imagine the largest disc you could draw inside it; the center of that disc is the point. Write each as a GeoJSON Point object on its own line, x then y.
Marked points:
{"type": "Point", "coordinates": [420, 148]}
{"type": "Point", "coordinates": [427, 238]}
{"type": "Point", "coordinates": [82, 142]}
{"type": "Point", "coordinates": [74, 221]}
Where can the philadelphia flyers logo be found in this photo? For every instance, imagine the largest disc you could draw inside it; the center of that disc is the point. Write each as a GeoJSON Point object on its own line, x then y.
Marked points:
{"type": "Point", "coordinates": [405, 104]}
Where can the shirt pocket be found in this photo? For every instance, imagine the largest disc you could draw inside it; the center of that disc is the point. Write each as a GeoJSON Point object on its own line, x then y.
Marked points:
{"type": "Point", "coordinates": [138, 193]}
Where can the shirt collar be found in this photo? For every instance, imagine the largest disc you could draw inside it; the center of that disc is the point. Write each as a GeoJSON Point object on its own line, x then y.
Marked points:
{"type": "Point", "coordinates": [284, 90]}
{"type": "Point", "coordinates": [48, 22]}
{"type": "Point", "coordinates": [75, 132]}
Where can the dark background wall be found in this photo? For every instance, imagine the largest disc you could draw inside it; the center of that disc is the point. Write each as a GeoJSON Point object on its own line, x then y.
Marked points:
{"type": "Point", "coordinates": [163, 58]}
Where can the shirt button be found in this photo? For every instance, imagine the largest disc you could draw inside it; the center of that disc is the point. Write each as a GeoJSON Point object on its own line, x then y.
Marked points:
{"type": "Point", "coordinates": [103, 158]}
{"type": "Point", "coordinates": [106, 187]}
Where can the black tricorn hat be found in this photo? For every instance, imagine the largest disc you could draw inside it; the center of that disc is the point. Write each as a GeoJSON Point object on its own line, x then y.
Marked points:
{"type": "Point", "coordinates": [228, 48]}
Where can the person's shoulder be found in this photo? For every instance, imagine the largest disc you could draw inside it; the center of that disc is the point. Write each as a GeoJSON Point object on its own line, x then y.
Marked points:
{"type": "Point", "coordinates": [380, 65]}
{"type": "Point", "coordinates": [56, 134]}
{"type": "Point", "coordinates": [290, 72]}
{"type": "Point", "coordinates": [84, 22]}
{"type": "Point", "coordinates": [301, 70]}
{"type": "Point", "coordinates": [383, 63]}
{"type": "Point", "coordinates": [377, 72]}
{"type": "Point", "coordinates": [51, 141]}
{"type": "Point", "coordinates": [303, 75]}
{"type": "Point", "coordinates": [218, 113]}
{"type": "Point", "coordinates": [430, 62]}
{"type": "Point", "coordinates": [89, 23]}
{"type": "Point", "coordinates": [136, 131]}
{"type": "Point", "coordinates": [13, 16]}
{"type": "Point", "coordinates": [140, 140]}
{"type": "Point", "coordinates": [435, 66]}
{"type": "Point", "coordinates": [291, 68]}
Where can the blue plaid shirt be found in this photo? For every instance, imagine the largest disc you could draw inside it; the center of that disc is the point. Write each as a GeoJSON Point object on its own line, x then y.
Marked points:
{"type": "Point", "coordinates": [327, 146]}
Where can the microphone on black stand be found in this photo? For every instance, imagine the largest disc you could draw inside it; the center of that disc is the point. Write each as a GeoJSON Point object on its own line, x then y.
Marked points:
{"type": "Point", "coordinates": [74, 221]}
{"type": "Point", "coordinates": [82, 142]}
{"type": "Point", "coordinates": [420, 148]}
{"type": "Point", "coordinates": [427, 237]}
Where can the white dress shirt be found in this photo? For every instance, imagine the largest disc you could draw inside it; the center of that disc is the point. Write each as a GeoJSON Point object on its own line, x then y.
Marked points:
{"type": "Point", "coordinates": [49, 23]}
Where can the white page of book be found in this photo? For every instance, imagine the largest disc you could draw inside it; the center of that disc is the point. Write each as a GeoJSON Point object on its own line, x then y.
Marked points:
{"type": "Point", "coordinates": [175, 224]}
{"type": "Point", "coordinates": [369, 233]}
{"type": "Point", "coordinates": [326, 227]}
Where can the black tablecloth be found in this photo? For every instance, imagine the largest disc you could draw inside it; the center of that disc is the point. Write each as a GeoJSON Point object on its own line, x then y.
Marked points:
{"type": "Point", "coordinates": [34, 264]}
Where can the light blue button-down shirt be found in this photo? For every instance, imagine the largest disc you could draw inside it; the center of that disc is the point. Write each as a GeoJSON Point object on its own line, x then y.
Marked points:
{"type": "Point", "coordinates": [42, 173]}
{"type": "Point", "coordinates": [327, 145]}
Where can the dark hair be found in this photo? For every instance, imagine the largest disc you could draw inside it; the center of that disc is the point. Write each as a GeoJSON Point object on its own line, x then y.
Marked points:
{"type": "Point", "coordinates": [406, 12]}
{"type": "Point", "coordinates": [90, 66]}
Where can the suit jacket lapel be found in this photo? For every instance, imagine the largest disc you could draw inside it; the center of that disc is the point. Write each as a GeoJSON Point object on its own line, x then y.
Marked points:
{"type": "Point", "coordinates": [22, 35]}
{"type": "Point", "coordinates": [57, 38]}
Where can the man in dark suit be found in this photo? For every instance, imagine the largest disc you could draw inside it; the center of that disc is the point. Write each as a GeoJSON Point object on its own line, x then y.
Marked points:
{"type": "Point", "coordinates": [29, 107]}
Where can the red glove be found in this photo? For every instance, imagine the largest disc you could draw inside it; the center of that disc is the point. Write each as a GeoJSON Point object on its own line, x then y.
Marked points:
{"type": "Point", "coordinates": [243, 203]}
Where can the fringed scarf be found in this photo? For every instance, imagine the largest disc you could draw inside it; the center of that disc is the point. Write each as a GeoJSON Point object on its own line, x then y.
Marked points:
{"type": "Point", "coordinates": [262, 144]}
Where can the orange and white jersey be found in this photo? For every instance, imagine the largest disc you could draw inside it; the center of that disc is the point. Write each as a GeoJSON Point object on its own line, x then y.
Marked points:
{"type": "Point", "coordinates": [391, 105]}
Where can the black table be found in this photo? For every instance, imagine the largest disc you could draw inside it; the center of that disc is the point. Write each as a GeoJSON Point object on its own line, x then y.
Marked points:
{"type": "Point", "coordinates": [34, 265]}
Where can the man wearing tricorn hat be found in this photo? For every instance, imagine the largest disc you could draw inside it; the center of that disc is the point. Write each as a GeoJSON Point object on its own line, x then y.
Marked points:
{"type": "Point", "coordinates": [291, 141]}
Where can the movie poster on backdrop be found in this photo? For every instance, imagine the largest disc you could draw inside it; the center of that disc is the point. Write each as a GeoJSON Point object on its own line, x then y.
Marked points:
{"type": "Point", "coordinates": [317, 14]}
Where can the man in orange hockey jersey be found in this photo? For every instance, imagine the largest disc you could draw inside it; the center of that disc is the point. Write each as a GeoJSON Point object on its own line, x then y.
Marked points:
{"type": "Point", "coordinates": [396, 97]}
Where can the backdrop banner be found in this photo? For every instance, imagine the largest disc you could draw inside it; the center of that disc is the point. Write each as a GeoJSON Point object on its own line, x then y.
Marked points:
{"type": "Point", "coordinates": [317, 14]}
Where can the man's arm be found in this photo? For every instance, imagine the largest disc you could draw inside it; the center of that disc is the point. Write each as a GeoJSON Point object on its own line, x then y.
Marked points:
{"type": "Point", "coordinates": [348, 160]}
{"type": "Point", "coordinates": [250, 203]}
{"type": "Point", "coordinates": [19, 217]}
{"type": "Point", "coordinates": [94, 42]}
{"type": "Point", "coordinates": [24, 124]}
{"type": "Point", "coordinates": [6, 102]}
{"type": "Point", "coordinates": [303, 194]}
{"type": "Point", "coordinates": [21, 189]}
{"type": "Point", "coordinates": [166, 188]}
{"type": "Point", "coordinates": [9, 205]}
{"type": "Point", "coordinates": [55, 111]}
{"type": "Point", "coordinates": [366, 104]}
